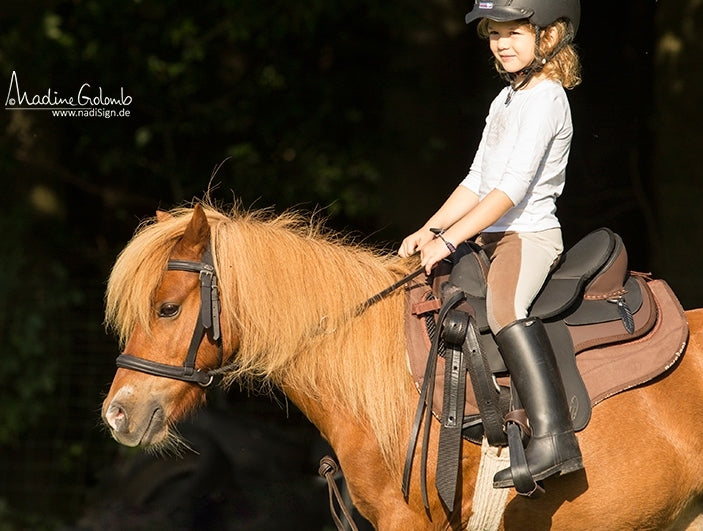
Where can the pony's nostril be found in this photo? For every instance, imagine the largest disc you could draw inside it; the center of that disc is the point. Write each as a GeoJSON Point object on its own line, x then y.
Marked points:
{"type": "Point", "coordinates": [116, 417]}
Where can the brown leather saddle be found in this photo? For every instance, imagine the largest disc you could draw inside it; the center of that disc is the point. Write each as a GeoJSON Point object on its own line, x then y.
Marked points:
{"type": "Point", "coordinates": [612, 330]}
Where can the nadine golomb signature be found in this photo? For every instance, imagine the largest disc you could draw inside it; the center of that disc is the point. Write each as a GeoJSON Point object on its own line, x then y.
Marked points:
{"type": "Point", "coordinates": [88, 101]}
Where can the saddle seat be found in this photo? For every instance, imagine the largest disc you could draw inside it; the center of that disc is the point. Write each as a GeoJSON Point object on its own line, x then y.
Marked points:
{"type": "Point", "coordinates": [590, 288]}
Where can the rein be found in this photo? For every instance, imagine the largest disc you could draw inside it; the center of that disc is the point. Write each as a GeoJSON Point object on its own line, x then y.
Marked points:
{"type": "Point", "coordinates": [390, 289]}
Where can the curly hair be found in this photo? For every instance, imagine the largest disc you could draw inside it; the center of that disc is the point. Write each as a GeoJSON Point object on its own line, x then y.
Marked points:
{"type": "Point", "coordinates": [564, 67]}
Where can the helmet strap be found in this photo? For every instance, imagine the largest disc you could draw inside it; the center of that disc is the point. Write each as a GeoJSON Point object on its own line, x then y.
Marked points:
{"type": "Point", "coordinates": [537, 65]}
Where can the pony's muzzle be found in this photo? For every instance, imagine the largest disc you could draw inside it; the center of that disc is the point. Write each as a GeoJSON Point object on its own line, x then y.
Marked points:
{"type": "Point", "coordinates": [143, 426]}
{"type": "Point", "coordinates": [116, 417]}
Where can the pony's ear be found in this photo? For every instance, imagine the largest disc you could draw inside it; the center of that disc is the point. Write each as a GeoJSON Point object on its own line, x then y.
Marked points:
{"type": "Point", "coordinates": [163, 216]}
{"type": "Point", "coordinates": [196, 235]}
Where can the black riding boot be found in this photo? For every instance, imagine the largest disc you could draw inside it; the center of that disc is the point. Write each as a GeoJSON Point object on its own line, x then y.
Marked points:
{"type": "Point", "coordinates": [528, 355]}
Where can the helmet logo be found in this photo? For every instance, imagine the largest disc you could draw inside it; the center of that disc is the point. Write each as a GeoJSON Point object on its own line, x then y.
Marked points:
{"type": "Point", "coordinates": [485, 5]}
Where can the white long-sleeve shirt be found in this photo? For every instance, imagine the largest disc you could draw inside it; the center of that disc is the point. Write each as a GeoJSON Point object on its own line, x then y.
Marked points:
{"type": "Point", "coordinates": [523, 152]}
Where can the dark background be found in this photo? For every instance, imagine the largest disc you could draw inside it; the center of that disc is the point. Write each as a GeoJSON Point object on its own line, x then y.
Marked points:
{"type": "Point", "coordinates": [369, 110]}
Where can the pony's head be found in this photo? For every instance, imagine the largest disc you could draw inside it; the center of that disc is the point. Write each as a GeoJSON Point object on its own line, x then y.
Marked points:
{"type": "Point", "coordinates": [289, 294]}
{"type": "Point", "coordinates": [160, 301]}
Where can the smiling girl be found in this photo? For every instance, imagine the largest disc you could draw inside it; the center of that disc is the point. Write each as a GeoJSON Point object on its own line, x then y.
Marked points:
{"type": "Point", "coordinates": [508, 203]}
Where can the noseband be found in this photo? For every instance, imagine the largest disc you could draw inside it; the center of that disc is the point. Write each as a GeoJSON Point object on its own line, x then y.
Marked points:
{"type": "Point", "coordinates": [208, 320]}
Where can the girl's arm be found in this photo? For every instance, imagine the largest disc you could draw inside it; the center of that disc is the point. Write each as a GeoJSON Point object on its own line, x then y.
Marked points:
{"type": "Point", "coordinates": [459, 204]}
{"type": "Point", "coordinates": [483, 214]}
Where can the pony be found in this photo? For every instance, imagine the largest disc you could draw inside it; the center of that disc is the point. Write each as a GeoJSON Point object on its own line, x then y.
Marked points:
{"type": "Point", "coordinates": [290, 299]}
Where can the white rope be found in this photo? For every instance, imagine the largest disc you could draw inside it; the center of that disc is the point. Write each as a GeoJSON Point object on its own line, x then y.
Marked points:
{"type": "Point", "coordinates": [489, 503]}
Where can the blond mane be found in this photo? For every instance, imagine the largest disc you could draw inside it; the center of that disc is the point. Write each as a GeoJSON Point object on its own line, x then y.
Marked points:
{"type": "Point", "coordinates": [289, 289]}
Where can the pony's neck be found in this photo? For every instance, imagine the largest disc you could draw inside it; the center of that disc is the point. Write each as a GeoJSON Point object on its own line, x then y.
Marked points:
{"type": "Point", "coordinates": [296, 298]}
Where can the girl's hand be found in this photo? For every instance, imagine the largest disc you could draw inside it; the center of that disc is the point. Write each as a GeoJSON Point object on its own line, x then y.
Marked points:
{"type": "Point", "coordinates": [432, 253]}
{"type": "Point", "coordinates": [414, 242]}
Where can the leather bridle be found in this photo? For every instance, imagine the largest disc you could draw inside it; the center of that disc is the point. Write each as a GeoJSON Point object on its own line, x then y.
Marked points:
{"type": "Point", "coordinates": [208, 321]}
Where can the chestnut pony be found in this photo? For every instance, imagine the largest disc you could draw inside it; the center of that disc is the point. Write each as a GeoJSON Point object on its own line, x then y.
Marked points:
{"type": "Point", "coordinates": [289, 291]}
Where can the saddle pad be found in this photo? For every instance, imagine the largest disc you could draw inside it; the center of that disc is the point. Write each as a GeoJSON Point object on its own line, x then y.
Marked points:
{"type": "Point", "coordinates": [606, 370]}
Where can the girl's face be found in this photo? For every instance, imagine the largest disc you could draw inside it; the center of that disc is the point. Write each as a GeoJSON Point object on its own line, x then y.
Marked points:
{"type": "Point", "coordinates": [512, 44]}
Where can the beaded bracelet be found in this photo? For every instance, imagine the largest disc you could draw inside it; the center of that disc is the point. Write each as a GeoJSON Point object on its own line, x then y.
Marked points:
{"type": "Point", "coordinates": [438, 234]}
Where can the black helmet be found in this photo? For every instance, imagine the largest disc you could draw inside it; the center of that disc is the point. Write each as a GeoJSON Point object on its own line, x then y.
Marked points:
{"type": "Point", "coordinates": [541, 13]}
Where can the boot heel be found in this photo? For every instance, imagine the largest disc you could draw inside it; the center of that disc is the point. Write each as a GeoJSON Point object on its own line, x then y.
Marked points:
{"type": "Point", "coordinates": [570, 466]}
{"type": "Point", "coordinates": [566, 467]}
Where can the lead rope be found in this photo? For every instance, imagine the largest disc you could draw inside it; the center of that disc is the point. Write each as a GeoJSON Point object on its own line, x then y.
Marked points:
{"type": "Point", "coordinates": [328, 469]}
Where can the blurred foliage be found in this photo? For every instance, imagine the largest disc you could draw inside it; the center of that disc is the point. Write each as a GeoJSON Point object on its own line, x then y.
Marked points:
{"type": "Point", "coordinates": [30, 338]}
{"type": "Point", "coordinates": [679, 186]}
{"type": "Point", "coordinates": [270, 89]}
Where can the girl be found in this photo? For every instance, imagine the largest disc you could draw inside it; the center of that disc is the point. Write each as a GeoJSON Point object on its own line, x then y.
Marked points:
{"type": "Point", "coordinates": [508, 202]}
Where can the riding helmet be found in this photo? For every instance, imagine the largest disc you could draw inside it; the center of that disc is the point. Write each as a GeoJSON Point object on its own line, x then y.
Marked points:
{"type": "Point", "coordinates": [541, 13]}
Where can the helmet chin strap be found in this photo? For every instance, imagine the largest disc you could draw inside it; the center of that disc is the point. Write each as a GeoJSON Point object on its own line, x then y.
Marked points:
{"type": "Point", "coordinates": [525, 75]}
{"type": "Point", "coordinates": [537, 64]}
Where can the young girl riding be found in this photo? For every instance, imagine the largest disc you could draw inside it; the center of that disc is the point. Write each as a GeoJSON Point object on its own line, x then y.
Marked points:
{"type": "Point", "coordinates": [508, 203]}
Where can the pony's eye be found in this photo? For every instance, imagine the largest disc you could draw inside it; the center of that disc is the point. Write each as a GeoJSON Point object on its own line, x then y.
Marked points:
{"type": "Point", "coordinates": [169, 309]}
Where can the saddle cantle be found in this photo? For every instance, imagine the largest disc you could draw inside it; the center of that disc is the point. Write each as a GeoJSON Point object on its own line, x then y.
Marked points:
{"type": "Point", "coordinates": [612, 329]}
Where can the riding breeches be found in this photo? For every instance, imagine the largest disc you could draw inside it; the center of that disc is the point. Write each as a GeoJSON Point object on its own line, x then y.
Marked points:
{"type": "Point", "coordinates": [520, 263]}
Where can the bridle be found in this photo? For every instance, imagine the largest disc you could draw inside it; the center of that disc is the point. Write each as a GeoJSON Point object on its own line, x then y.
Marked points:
{"type": "Point", "coordinates": [208, 321]}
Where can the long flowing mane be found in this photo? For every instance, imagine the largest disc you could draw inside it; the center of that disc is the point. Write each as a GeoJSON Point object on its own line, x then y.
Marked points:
{"type": "Point", "coordinates": [289, 290]}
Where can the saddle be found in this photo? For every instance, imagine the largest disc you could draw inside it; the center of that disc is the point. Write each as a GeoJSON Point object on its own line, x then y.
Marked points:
{"type": "Point", "coordinates": [611, 329]}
